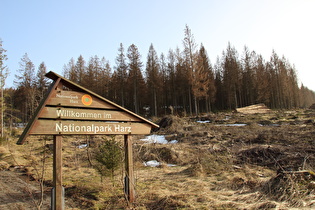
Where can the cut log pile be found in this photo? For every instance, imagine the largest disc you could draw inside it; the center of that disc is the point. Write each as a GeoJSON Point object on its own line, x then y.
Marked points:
{"type": "Point", "coordinates": [254, 109]}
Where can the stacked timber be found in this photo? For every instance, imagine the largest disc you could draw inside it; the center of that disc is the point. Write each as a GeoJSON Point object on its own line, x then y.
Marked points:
{"type": "Point", "coordinates": [312, 106]}
{"type": "Point", "coordinates": [254, 109]}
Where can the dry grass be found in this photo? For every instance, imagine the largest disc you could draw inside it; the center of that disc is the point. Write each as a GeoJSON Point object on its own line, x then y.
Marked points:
{"type": "Point", "coordinates": [217, 167]}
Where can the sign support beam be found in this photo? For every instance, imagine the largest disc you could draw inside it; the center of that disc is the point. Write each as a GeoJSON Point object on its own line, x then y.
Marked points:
{"type": "Point", "coordinates": [57, 173]}
{"type": "Point", "coordinates": [129, 179]}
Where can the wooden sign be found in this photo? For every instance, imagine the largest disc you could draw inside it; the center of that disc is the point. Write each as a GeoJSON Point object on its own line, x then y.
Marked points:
{"type": "Point", "coordinates": [70, 109]}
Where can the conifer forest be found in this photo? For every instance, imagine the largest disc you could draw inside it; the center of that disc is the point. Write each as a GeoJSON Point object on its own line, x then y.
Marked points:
{"type": "Point", "coordinates": [182, 81]}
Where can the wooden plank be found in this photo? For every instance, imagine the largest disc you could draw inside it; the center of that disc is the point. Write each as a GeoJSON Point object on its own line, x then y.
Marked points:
{"type": "Point", "coordinates": [71, 127]}
{"type": "Point", "coordinates": [86, 114]}
{"type": "Point", "coordinates": [77, 99]}
{"type": "Point", "coordinates": [57, 172]}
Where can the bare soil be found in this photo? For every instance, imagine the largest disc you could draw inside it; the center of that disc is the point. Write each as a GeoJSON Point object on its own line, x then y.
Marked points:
{"type": "Point", "coordinates": [220, 163]}
{"type": "Point", "coordinates": [17, 193]}
{"type": "Point", "coordinates": [20, 191]}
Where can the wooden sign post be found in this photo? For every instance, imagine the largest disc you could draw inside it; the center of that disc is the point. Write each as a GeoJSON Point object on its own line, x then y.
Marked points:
{"type": "Point", "coordinates": [69, 109]}
{"type": "Point", "coordinates": [129, 179]}
{"type": "Point", "coordinates": [57, 172]}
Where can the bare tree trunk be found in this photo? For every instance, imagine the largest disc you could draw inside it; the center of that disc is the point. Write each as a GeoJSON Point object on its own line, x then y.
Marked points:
{"type": "Point", "coordinates": [155, 103]}
{"type": "Point", "coordinates": [196, 107]}
{"type": "Point", "coordinates": [190, 105]}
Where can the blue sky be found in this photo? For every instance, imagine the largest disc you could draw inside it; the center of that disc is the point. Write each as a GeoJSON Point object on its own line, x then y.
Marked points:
{"type": "Point", "coordinates": [55, 31]}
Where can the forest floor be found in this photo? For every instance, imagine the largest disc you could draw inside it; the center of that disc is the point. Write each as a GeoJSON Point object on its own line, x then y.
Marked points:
{"type": "Point", "coordinates": [218, 161]}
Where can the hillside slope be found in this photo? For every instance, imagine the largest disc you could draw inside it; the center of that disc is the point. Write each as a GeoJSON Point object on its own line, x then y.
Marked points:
{"type": "Point", "coordinates": [218, 161]}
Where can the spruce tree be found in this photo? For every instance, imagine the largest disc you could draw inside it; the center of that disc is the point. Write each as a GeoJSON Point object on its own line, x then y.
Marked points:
{"type": "Point", "coordinates": [26, 88]}
{"type": "Point", "coordinates": [108, 157]}
{"type": "Point", "coordinates": [153, 78]}
{"type": "Point", "coordinates": [4, 72]}
{"type": "Point", "coordinates": [120, 77]}
{"type": "Point", "coordinates": [190, 56]}
{"type": "Point", "coordinates": [136, 84]}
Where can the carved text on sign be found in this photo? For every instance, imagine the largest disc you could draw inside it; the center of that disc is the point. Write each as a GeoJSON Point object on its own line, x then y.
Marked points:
{"type": "Point", "coordinates": [74, 99]}
{"type": "Point", "coordinates": [82, 115]}
{"type": "Point", "coordinates": [86, 114]}
{"type": "Point", "coordinates": [77, 99]}
{"type": "Point", "coordinates": [71, 127]}
{"type": "Point", "coordinates": [92, 128]}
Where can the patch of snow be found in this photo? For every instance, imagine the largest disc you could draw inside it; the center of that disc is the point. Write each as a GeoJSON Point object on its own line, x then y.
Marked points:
{"type": "Point", "coordinates": [227, 117]}
{"type": "Point", "coordinates": [82, 146]}
{"type": "Point", "coordinates": [236, 124]}
{"type": "Point", "coordinates": [154, 163]}
{"type": "Point", "coordinates": [158, 139]}
{"type": "Point", "coordinates": [240, 124]}
{"type": "Point", "coordinates": [205, 121]}
{"type": "Point", "coordinates": [173, 142]}
{"type": "Point", "coordinates": [171, 165]}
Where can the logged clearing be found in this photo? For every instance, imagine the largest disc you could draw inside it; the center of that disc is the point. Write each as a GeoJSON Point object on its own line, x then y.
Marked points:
{"type": "Point", "coordinates": [218, 161]}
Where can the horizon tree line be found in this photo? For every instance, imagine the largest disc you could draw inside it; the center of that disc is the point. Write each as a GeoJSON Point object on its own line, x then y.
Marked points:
{"type": "Point", "coordinates": [182, 82]}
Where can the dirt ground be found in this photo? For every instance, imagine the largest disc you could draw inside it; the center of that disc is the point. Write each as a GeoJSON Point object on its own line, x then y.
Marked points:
{"type": "Point", "coordinates": [17, 193]}
{"type": "Point", "coordinates": [20, 192]}
{"type": "Point", "coordinates": [220, 161]}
